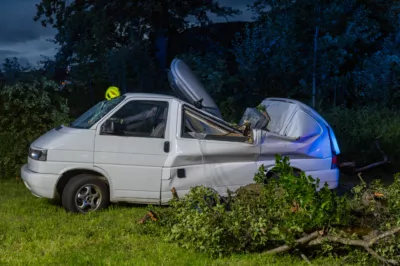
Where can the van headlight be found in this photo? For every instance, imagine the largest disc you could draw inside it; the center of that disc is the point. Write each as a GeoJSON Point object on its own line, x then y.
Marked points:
{"type": "Point", "coordinates": [37, 154]}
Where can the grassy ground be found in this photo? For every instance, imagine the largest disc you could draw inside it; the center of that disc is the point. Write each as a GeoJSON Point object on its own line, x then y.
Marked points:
{"type": "Point", "coordinates": [36, 232]}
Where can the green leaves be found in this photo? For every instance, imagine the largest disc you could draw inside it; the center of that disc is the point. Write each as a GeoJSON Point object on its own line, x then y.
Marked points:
{"type": "Point", "coordinates": [284, 210]}
{"type": "Point", "coordinates": [276, 55]}
{"type": "Point", "coordinates": [88, 30]}
{"type": "Point", "coordinates": [28, 110]}
{"type": "Point", "coordinates": [357, 130]}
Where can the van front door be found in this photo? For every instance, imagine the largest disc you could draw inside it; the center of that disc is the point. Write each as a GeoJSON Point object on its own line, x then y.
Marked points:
{"type": "Point", "coordinates": [130, 148]}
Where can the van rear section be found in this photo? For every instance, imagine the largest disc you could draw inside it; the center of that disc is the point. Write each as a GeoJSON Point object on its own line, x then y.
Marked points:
{"type": "Point", "coordinates": [334, 147]}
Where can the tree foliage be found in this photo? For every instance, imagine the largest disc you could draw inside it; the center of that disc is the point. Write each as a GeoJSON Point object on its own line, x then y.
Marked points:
{"type": "Point", "coordinates": [328, 45]}
{"type": "Point", "coordinates": [27, 111]}
{"type": "Point", "coordinates": [214, 73]}
{"type": "Point", "coordinates": [358, 128]}
{"type": "Point", "coordinates": [122, 38]}
{"type": "Point", "coordinates": [276, 215]}
{"type": "Point", "coordinates": [344, 50]}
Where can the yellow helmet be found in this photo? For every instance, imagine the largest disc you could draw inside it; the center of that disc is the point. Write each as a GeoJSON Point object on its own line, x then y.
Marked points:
{"type": "Point", "coordinates": [112, 92]}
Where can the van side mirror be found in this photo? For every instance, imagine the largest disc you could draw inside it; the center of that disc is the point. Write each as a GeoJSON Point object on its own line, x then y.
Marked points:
{"type": "Point", "coordinates": [108, 127]}
{"type": "Point", "coordinates": [112, 126]}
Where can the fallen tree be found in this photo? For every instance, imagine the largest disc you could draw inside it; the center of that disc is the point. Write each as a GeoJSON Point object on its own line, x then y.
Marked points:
{"type": "Point", "coordinates": [288, 215]}
{"type": "Point", "coordinates": [319, 237]}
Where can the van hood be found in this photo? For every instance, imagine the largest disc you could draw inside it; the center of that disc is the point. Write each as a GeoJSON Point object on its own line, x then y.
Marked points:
{"type": "Point", "coordinates": [66, 138]}
{"type": "Point", "coordinates": [189, 88]}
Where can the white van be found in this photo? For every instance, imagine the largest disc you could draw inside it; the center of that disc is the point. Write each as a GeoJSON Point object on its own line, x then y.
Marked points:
{"type": "Point", "coordinates": [136, 147]}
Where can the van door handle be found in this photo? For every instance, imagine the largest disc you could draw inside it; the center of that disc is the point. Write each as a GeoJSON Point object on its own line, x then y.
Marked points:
{"type": "Point", "coordinates": [166, 146]}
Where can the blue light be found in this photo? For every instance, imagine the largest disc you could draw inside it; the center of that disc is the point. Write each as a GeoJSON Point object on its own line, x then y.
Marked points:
{"type": "Point", "coordinates": [334, 143]}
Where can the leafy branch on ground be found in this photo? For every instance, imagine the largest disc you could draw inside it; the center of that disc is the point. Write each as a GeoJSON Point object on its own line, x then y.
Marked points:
{"type": "Point", "coordinates": [286, 214]}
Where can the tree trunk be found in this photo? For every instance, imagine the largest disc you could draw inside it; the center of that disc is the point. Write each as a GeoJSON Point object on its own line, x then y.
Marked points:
{"type": "Point", "coordinates": [161, 26]}
{"type": "Point", "coordinates": [161, 48]}
{"type": "Point", "coordinates": [123, 75]}
{"type": "Point", "coordinates": [314, 86]}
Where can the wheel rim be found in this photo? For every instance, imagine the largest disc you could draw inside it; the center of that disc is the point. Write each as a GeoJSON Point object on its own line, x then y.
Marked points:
{"type": "Point", "coordinates": [88, 198]}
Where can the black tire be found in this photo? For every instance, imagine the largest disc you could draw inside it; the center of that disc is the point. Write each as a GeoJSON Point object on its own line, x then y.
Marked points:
{"type": "Point", "coordinates": [85, 193]}
{"type": "Point", "coordinates": [275, 176]}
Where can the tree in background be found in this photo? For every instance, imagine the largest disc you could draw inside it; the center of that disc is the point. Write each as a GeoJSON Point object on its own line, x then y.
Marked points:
{"type": "Point", "coordinates": [28, 110]}
{"type": "Point", "coordinates": [308, 49]}
{"type": "Point", "coordinates": [377, 77]}
{"type": "Point", "coordinates": [323, 53]}
{"type": "Point", "coordinates": [12, 70]}
{"type": "Point", "coordinates": [121, 37]}
{"type": "Point", "coordinates": [212, 69]}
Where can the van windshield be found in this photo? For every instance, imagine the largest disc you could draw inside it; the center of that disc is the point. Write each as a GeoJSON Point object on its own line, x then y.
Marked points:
{"type": "Point", "coordinates": [94, 114]}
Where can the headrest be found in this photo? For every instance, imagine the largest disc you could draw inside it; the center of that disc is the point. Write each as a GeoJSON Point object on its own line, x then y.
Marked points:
{"type": "Point", "coordinates": [165, 113]}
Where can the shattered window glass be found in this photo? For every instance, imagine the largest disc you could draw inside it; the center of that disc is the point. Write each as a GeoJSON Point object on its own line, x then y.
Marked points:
{"type": "Point", "coordinates": [199, 125]}
{"type": "Point", "coordinates": [195, 124]}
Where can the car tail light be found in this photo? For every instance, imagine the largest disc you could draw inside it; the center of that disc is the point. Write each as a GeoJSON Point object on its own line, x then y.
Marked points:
{"type": "Point", "coordinates": [334, 162]}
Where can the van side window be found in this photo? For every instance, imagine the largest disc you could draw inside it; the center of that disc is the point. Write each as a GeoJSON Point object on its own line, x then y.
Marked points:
{"type": "Point", "coordinates": [196, 125]}
{"type": "Point", "coordinates": [139, 119]}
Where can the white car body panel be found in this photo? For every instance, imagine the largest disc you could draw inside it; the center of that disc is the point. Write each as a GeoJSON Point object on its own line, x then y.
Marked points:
{"type": "Point", "coordinates": [134, 163]}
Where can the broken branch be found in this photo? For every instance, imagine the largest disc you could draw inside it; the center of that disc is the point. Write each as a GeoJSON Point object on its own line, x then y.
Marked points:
{"type": "Point", "coordinates": [314, 239]}
{"type": "Point", "coordinates": [304, 257]}
{"type": "Point", "coordinates": [301, 241]}
{"type": "Point", "coordinates": [369, 166]}
{"type": "Point", "coordinates": [149, 215]}
{"type": "Point", "coordinates": [392, 232]}
{"type": "Point", "coordinates": [361, 243]}
{"type": "Point", "coordinates": [384, 161]}
{"type": "Point", "coordinates": [174, 193]}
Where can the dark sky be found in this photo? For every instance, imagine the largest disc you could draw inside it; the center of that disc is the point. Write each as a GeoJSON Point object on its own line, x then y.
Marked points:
{"type": "Point", "coordinates": [21, 37]}
{"type": "Point", "coordinates": [238, 4]}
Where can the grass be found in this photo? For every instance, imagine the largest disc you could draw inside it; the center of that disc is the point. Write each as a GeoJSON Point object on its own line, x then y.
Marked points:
{"type": "Point", "coordinates": [36, 232]}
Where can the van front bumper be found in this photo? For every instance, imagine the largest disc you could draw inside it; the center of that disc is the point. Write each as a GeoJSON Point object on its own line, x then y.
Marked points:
{"type": "Point", "coordinates": [40, 185]}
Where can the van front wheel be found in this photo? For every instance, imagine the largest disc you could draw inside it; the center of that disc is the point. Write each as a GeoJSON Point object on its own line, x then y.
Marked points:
{"type": "Point", "coordinates": [85, 193]}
